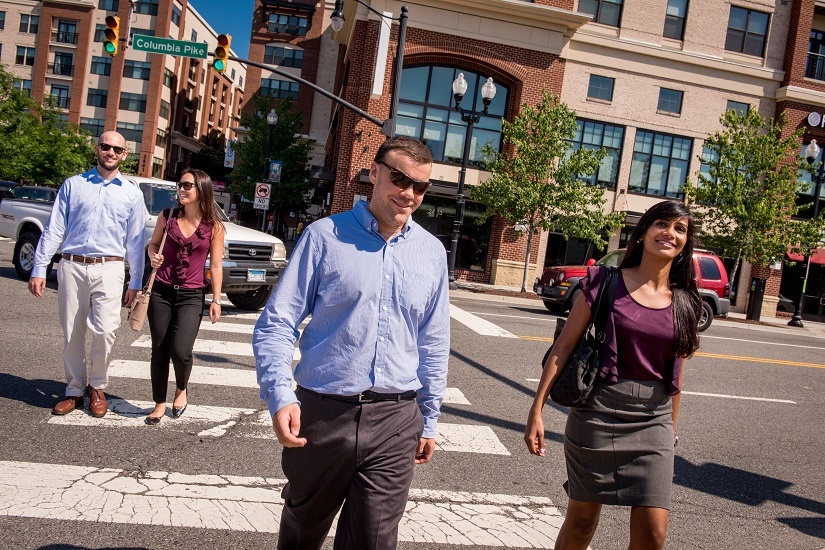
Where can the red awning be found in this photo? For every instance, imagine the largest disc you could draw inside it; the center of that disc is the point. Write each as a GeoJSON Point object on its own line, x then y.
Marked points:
{"type": "Point", "coordinates": [817, 258]}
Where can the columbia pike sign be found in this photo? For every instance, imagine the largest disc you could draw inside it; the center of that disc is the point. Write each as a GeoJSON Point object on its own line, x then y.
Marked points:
{"type": "Point", "coordinates": [155, 44]}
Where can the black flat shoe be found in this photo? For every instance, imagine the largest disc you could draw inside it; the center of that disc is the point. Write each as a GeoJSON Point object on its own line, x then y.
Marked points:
{"type": "Point", "coordinates": [152, 420]}
{"type": "Point", "coordinates": [178, 412]}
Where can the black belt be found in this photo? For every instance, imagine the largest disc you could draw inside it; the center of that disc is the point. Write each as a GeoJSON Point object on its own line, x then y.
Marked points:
{"type": "Point", "coordinates": [368, 396]}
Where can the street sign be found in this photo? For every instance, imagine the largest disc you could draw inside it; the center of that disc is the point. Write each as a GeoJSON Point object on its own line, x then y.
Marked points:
{"type": "Point", "coordinates": [262, 191]}
{"type": "Point", "coordinates": [156, 44]}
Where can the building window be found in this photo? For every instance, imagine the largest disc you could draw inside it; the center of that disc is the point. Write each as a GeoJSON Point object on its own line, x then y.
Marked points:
{"type": "Point", "coordinates": [194, 35]}
{"type": "Point", "coordinates": [437, 214]}
{"type": "Point", "coordinates": [288, 24]}
{"type": "Point", "coordinates": [23, 86]}
{"type": "Point", "coordinates": [101, 65]}
{"type": "Point", "coordinates": [164, 109]}
{"type": "Point", "coordinates": [600, 87]}
{"type": "Point", "coordinates": [63, 64]}
{"type": "Point", "coordinates": [92, 125]}
{"type": "Point", "coordinates": [168, 75]}
{"type": "Point", "coordinates": [2, 20]}
{"type": "Point", "coordinates": [675, 19]}
{"type": "Point", "coordinates": [160, 140]}
{"type": "Point", "coordinates": [25, 56]}
{"type": "Point", "coordinates": [670, 101]}
{"type": "Point", "coordinates": [133, 102]}
{"type": "Point", "coordinates": [137, 69]}
{"type": "Point", "coordinates": [660, 164]}
{"type": "Point", "coordinates": [97, 97]}
{"type": "Point", "coordinates": [147, 7]}
{"type": "Point", "coordinates": [29, 23]}
{"type": "Point", "coordinates": [747, 30]}
{"type": "Point", "coordinates": [66, 32]}
{"type": "Point", "coordinates": [176, 15]}
{"type": "Point", "coordinates": [157, 167]}
{"type": "Point", "coordinates": [815, 64]}
{"type": "Point", "coordinates": [738, 107]}
{"type": "Point", "coordinates": [232, 77]}
{"type": "Point", "coordinates": [287, 57]}
{"type": "Point", "coordinates": [240, 81]}
{"type": "Point", "coordinates": [99, 32]}
{"type": "Point", "coordinates": [108, 5]}
{"type": "Point", "coordinates": [594, 136]}
{"type": "Point", "coordinates": [131, 132]}
{"type": "Point", "coordinates": [709, 157]}
{"type": "Point", "coordinates": [426, 112]}
{"type": "Point", "coordinates": [279, 89]}
{"type": "Point", "coordinates": [60, 95]}
{"type": "Point", "coordinates": [606, 12]}
{"type": "Point", "coordinates": [143, 32]}
{"type": "Point", "coordinates": [805, 191]}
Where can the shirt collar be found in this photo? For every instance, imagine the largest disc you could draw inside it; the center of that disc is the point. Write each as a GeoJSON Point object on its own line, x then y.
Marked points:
{"type": "Point", "coordinates": [369, 223]}
{"type": "Point", "coordinates": [95, 176]}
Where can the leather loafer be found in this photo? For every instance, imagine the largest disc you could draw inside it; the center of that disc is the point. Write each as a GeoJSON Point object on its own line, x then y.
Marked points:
{"type": "Point", "coordinates": [178, 412]}
{"type": "Point", "coordinates": [97, 402]}
{"type": "Point", "coordinates": [68, 404]}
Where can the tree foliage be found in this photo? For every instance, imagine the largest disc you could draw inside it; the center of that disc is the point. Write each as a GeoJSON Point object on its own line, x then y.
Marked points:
{"type": "Point", "coordinates": [536, 179]}
{"type": "Point", "coordinates": [747, 203]}
{"type": "Point", "coordinates": [291, 194]}
{"type": "Point", "coordinates": [36, 146]}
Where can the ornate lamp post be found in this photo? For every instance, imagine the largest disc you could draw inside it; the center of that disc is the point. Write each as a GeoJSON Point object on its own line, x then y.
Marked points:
{"type": "Point", "coordinates": [272, 120]}
{"type": "Point", "coordinates": [811, 154]}
{"type": "Point", "coordinates": [488, 92]}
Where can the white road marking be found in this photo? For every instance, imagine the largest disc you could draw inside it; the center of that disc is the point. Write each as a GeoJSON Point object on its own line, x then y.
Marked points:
{"type": "Point", "coordinates": [722, 395]}
{"type": "Point", "coordinates": [214, 376]}
{"type": "Point", "coordinates": [454, 396]}
{"type": "Point", "coordinates": [253, 504]}
{"type": "Point", "coordinates": [217, 347]}
{"type": "Point", "coordinates": [765, 343]}
{"type": "Point", "coordinates": [237, 328]}
{"type": "Point", "coordinates": [235, 314]}
{"type": "Point", "coordinates": [477, 324]}
{"type": "Point", "coordinates": [528, 318]}
{"type": "Point", "coordinates": [468, 438]}
{"type": "Point", "coordinates": [124, 413]}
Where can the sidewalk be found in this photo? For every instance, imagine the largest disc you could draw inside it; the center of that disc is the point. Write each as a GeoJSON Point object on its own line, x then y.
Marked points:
{"type": "Point", "coordinates": [510, 294]}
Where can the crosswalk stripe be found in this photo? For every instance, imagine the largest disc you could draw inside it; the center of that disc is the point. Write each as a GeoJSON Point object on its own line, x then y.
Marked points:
{"type": "Point", "coordinates": [477, 324]}
{"type": "Point", "coordinates": [253, 504]}
{"type": "Point", "coordinates": [123, 413]}
{"type": "Point", "coordinates": [468, 438]}
{"type": "Point", "coordinates": [218, 347]}
{"type": "Point", "coordinates": [214, 376]}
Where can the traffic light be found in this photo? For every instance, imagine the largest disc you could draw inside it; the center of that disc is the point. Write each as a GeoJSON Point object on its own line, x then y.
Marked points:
{"type": "Point", "coordinates": [111, 35]}
{"type": "Point", "coordinates": [221, 60]}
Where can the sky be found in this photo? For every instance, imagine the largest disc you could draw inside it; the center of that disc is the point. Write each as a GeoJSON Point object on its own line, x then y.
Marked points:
{"type": "Point", "coordinates": [233, 18]}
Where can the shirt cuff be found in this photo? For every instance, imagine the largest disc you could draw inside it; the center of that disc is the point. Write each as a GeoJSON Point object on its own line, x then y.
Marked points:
{"type": "Point", "coordinates": [280, 398]}
{"type": "Point", "coordinates": [39, 272]}
{"type": "Point", "coordinates": [429, 428]}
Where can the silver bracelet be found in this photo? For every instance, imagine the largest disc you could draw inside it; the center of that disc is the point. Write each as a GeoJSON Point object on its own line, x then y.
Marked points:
{"type": "Point", "coordinates": [216, 302]}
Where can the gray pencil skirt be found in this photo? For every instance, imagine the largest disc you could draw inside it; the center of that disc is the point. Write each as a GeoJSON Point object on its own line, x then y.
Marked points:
{"type": "Point", "coordinates": [619, 446]}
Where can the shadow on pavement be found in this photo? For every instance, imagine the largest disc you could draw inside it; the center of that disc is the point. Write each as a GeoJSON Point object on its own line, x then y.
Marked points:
{"type": "Point", "coordinates": [43, 394]}
{"type": "Point", "coordinates": [74, 547]}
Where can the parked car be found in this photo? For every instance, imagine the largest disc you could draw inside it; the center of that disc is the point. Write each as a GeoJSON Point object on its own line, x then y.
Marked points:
{"type": "Point", "coordinates": [785, 305]}
{"type": "Point", "coordinates": [558, 285]}
{"type": "Point", "coordinates": [35, 193]}
{"type": "Point", "coordinates": [5, 189]}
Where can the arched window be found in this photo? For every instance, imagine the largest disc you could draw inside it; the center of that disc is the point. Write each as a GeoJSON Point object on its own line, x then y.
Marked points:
{"type": "Point", "coordinates": [425, 112]}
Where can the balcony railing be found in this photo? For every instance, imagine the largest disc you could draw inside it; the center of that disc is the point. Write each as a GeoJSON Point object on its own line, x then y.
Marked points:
{"type": "Point", "coordinates": [815, 66]}
{"type": "Point", "coordinates": [61, 101]}
{"type": "Point", "coordinates": [61, 69]}
{"type": "Point", "coordinates": [64, 37]}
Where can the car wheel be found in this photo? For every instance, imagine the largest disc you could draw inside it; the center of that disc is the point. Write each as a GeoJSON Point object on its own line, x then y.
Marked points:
{"type": "Point", "coordinates": [558, 309]}
{"type": "Point", "coordinates": [706, 317]}
{"type": "Point", "coordinates": [24, 256]}
{"type": "Point", "coordinates": [252, 300]}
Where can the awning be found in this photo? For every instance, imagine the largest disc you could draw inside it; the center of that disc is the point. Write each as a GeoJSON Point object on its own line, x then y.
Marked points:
{"type": "Point", "coordinates": [817, 258]}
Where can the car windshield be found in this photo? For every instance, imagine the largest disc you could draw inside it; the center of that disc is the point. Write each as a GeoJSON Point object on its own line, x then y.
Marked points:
{"type": "Point", "coordinates": [39, 194]}
{"type": "Point", "coordinates": [160, 196]}
{"type": "Point", "coordinates": [612, 259]}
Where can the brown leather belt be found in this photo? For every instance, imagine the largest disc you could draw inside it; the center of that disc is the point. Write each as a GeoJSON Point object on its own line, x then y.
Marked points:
{"type": "Point", "coordinates": [91, 259]}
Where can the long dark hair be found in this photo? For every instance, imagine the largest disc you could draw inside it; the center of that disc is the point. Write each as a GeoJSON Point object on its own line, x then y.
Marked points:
{"type": "Point", "coordinates": [206, 197]}
{"type": "Point", "coordinates": [686, 302]}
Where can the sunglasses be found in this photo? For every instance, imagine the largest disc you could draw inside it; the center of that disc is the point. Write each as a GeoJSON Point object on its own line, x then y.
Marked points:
{"type": "Point", "coordinates": [403, 181]}
{"type": "Point", "coordinates": [187, 185]}
{"type": "Point", "coordinates": [106, 147]}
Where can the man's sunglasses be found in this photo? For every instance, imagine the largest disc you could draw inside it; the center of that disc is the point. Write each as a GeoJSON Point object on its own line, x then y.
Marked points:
{"type": "Point", "coordinates": [106, 147]}
{"type": "Point", "coordinates": [187, 185]}
{"type": "Point", "coordinates": [403, 181]}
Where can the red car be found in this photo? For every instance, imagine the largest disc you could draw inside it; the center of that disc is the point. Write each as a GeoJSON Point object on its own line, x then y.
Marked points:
{"type": "Point", "coordinates": [558, 285]}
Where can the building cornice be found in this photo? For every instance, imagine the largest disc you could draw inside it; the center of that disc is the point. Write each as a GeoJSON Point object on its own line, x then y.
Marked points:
{"type": "Point", "coordinates": [801, 95]}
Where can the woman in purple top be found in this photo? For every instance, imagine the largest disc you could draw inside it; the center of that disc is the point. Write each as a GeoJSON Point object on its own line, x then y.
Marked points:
{"type": "Point", "coordinates": [619, 445]}
{"type": "Point", "coordinates": [176, 306]}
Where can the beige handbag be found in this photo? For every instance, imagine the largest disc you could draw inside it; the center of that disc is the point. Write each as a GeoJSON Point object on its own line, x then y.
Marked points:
{"type": "Point", "coordinates": [140, 306]}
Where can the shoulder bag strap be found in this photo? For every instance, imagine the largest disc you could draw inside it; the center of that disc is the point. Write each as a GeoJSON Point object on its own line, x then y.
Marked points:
{"type": "Point", "coordinates": [151, 280]}
{"type": "Point", "coordinates": [611, 281]}
{"type": "Point", "coordinates": [598, 304]}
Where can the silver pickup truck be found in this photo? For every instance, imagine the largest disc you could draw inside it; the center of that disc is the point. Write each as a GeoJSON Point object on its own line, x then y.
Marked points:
{"type": "Point", "coordinates": [252, 261]}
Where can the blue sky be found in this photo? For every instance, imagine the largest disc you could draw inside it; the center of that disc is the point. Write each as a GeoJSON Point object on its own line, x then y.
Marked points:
{"type": "Point", "coordinates": [233, 18]}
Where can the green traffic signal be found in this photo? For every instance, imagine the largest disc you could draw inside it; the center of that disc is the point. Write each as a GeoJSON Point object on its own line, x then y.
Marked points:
{"type": "Point", "coordinates": [110, 48]}
{"type": "Point", "coordinates": [219, 65]}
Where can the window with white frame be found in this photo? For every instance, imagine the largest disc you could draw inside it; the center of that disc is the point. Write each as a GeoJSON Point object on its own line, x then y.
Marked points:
{"type": "Point", "coordinates": [660, 164]}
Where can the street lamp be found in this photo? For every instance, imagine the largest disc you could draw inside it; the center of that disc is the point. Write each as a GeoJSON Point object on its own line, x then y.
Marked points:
{"type": "Point", "coordinates": [811, 154]}
{"type": "Point", "coordinates": [336, 21]}
{"type": "Point", "coordinates": [272, 121]}
{"type": "Point", "coordinates": [488, 92]}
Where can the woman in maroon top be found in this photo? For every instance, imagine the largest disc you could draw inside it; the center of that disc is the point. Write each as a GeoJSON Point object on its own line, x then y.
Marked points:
{"type": "Point", "coordinates": [619, 445]}
{"type": "Point", "coordinates": [176, 306]}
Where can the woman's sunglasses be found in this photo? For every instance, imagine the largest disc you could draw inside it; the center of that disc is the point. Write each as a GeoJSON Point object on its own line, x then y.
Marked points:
{"type": "Point", "coordinates": [403, 181]}
{"type": "Point", "coordinates": [187, 185]}
{"type": "Point", "coordinates": [106, 147]}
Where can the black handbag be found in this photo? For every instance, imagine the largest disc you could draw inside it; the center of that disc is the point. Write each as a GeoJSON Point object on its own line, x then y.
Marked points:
{"type": "Point", "coordinates": [574, 383]}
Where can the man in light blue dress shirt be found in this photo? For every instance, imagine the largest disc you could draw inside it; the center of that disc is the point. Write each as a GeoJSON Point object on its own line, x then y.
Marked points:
{"type": "Point", "coordinates": [99, 218]}
{"type": "Point", "coordinates": [373, 367]}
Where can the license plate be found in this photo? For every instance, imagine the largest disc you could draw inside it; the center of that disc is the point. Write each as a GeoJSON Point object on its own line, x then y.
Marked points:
{"type": "Point", "coordinates": [256, 275]}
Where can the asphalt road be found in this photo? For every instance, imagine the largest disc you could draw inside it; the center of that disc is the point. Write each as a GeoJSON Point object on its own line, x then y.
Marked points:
{"type": "Point", "coordinates": [750, 468]}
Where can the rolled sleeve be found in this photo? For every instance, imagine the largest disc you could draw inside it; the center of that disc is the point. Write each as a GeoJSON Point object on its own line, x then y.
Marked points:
{"type": "Point", "coordinates": [134, 242]}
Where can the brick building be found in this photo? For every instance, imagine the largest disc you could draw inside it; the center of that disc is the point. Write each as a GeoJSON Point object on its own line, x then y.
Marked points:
{"type": "Point", "coordinates": [165, 106]}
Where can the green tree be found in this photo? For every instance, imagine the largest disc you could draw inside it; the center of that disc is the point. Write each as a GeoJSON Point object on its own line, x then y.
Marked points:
{"type": "Point", "coordinates": [291, 193]}
{"type": "Point", "coordinates": [35, 144]}
{"type": "Point", "coordinates": [748, 199]}
{"type": "Point", "coordinates": [210, 158]}
{"type": "Point", "coordinates": [536, 179]}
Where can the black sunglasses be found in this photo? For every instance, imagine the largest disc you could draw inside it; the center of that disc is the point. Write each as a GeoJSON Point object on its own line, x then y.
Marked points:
{"type": "Point", "coordinates": [403, 181]}
{"type": "Point", "coordinates": [187, 185]}
{"type": "Point", "coordinates": [106, 147]}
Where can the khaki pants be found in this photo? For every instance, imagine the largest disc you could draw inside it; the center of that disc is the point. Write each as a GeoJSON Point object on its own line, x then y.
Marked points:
{"type": "Point", "coordinates": [89, 295]}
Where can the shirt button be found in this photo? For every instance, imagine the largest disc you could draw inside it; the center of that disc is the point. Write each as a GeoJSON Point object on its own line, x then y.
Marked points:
{"type": "Point", "coordinates": [377, 370]}
{"type": "Point", "coordinates": [380, 338]}
{"type": "Point", "coordinates": [384, 308]}
{"type": "Point", "coordinates": [387, 277]}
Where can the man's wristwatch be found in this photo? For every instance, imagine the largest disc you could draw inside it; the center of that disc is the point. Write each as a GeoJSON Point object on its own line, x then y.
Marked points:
{"type": "Point", "coordinates": [216, 302]}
